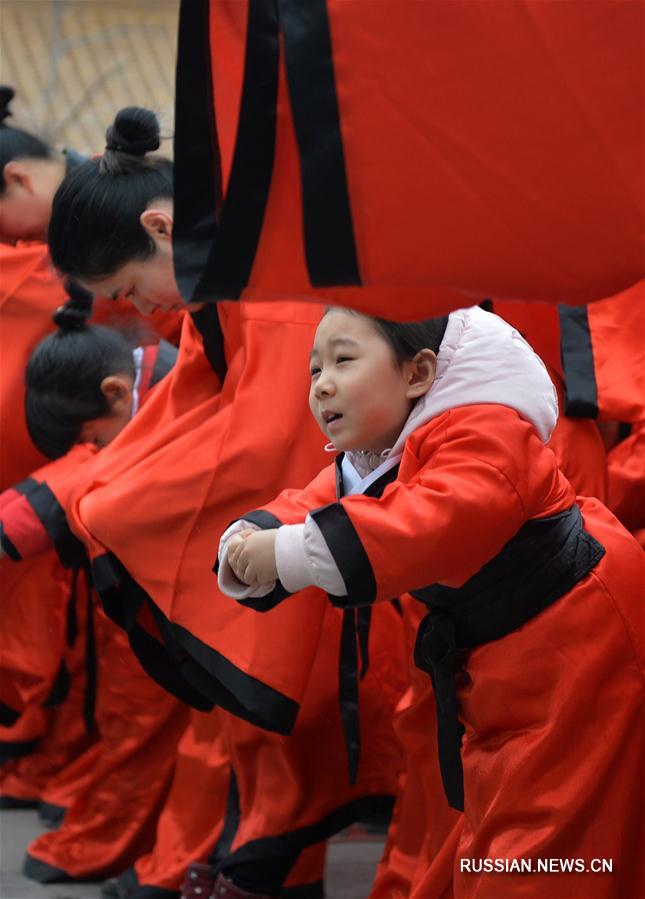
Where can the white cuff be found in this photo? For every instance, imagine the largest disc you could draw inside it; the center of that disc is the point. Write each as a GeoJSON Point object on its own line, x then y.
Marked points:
{"type": "Point", "coordinates": [303, 559]}
{"type": "Point", "coordinates": [229, 584]}
{"type": "Point", "coordinates": [290, 558]}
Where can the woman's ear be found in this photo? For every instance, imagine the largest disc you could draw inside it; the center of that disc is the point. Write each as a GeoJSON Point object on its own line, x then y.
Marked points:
{"type": "Point", "coordinates": [421, 373]}
{"type": "Point", "coordinates": [157, 222]}
{"type": "Point", "coordinates": [117, 390]}
{"type": "Point", "coordinates": [17, 175]}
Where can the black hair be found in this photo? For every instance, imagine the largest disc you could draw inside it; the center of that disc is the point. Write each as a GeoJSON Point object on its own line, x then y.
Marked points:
{"type": "Point", "coordinates": [94, 228]}
{"type": "Point", "coordinates": [406, 339]}
{"type": "Point", "coordinates": [14, 142]}
{"type": "Point", "coordinates": [64, 375]}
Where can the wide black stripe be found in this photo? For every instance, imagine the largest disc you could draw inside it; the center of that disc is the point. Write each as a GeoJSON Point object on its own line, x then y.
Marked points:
{"type": "Point", "coordinates": [335, 821]}
{"type": "Point", "coordinates": [327, 218]}
{"type": "Point", "coordinates": [540, 565]}
{"type": "Point", "coordinates": [23, 487]}
{"type": "Point", "coordinates": [209, 326]}
{"type": "Point", "coordinates": [8, 548]}
{"type": "Point", "coordinates": [349, 555]}
{"type": "Point", "coordinates": [43, 501]}
{"type": "Point", "coordinates": [184, 665]}
{"type": "Point", "coordinates": [580, 388]}
{"type": "Point", "coordinates": [224, 271]}
{"type": "Point", "coordinates": [197, 165]}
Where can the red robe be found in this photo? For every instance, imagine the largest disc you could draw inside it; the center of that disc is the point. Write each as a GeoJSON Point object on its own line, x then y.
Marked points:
{"type": "Point", "coordinates": [113, 808]}
{"type": "Point", "coordinates": [33, 631]}
{"type": "Point", "coordinates": [538, 783]}
{"type": "Point", "coordinates": [192, 458]}
{"type": "Point", "coordinates": [421, 153]}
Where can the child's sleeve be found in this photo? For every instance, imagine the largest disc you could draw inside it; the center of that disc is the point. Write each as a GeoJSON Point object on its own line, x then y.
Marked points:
{"type": "Point", "coordinates": [32, 513]}
{"type": "Point", "coordinates": [286, 513]}
{"type": "Point", "coordinates": [468, 497]}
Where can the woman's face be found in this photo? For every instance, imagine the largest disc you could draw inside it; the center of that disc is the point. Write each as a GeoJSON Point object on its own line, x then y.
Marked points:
{"type": "Point", "coordinates": [148, 283]}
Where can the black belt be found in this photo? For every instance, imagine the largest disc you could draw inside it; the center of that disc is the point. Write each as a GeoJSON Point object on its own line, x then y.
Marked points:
{"type": "Point", "coordinates": [542, 562]}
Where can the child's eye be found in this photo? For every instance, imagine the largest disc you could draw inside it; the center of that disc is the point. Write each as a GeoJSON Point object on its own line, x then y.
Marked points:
{"type": "Point", "coordinates": [314, 371]}
{"type": "Point", "coordinates": [343, 359]}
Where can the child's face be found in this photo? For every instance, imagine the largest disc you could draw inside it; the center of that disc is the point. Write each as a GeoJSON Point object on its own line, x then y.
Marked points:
{"type": "Point", "coordinates": [360, 396]}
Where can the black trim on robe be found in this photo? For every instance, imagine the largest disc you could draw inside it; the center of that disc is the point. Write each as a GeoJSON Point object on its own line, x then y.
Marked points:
{"type": "Point", "coordinates": [216, 234]}
{"type": "Point", "coordinates": [355, 631]}
{"type": "Point", "coordinates": [184, 665]}
{"type": "Point", "coordinates": [349, 555]}
{"type": "Point", "coordinates": [330, 247]}
{"type": "Point", "coordinates": [197, 164]}
{"type": "Point", "coordinates": [538, 566]}
{"type": "Point", "coordinates": [51, 514]}
{"type": "Point", "coordinates": [128, 884]}
{"type": "Point", "coordinates": [344, 544]}
{"type": "Point", "coordinates": [253, 876]}
{"type": "Point", "coordinates": [231, 243]}
{"type": "Point", "coordinates": [8, 548]}
{"type": "Point", "coordinates": [271, 848]}
{"type": "Point", "coordinates": [208, 324]}
{"type": "Point", "coordinates": [580, 388]}
{"type": "Point", "coordinates": [265, 521]}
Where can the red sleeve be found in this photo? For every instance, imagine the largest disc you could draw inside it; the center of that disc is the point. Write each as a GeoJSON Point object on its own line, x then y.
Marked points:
{"type": "Point", "coordinates": [292, 506]}
{"type": "Point", "coordinates": [466, 484]}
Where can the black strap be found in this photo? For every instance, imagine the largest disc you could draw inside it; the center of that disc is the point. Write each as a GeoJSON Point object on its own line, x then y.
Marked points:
{"type": "Point", "coordinates": [327, 217]}
{"type": "Point", "coordinates": [538, 566]}
{"type": "Point", "coordinates": [197, 164]}
{"type": "Point", "coordinates": [91, 662]}
{"type": "Point", "coordinates": [209, 326]}
{"type": "Point", "coordinates": [221, 254]}
{"type": "Point", "coordinates": [580, 388]}
{"type": "Point", "coordinates": [43, 501]}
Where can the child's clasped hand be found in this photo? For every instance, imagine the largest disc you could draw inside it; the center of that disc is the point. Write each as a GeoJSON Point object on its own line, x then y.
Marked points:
{"type": "Point", "coordinates": [251, 555]}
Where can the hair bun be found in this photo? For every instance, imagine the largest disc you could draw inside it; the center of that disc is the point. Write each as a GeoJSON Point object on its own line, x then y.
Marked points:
{"type": "Point", "coordinates": [75, 313]}
{"type": "Point", "coordinates": [134, 131]}
{"type": "Point", "coordinates": [6, 96]}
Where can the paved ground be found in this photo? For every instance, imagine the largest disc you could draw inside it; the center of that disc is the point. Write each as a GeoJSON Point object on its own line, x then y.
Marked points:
{"type": "Point", "coordinates": [350, 866]}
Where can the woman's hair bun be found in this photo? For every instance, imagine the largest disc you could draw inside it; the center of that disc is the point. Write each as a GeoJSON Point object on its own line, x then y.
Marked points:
{"type": "Point", "coordinates": [6, 96]}
{"type": "Point", "coordinates": [134, 131]}
{"type": "Point", "coordinates": [75, 313]}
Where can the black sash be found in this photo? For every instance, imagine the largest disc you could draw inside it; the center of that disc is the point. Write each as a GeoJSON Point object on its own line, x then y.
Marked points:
{"type": "Point", "coordinates": [540, 564]}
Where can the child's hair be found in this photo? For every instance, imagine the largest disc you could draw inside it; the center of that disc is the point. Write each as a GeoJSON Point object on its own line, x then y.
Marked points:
{"type": "Point", "coordinates": [94, 229]}
{"type": "Point", "coordinates": [15, 143]}
{"type": "Point", "coordinates": [64, 375]}
{"type": "Point", "coordinates": [406, 339]}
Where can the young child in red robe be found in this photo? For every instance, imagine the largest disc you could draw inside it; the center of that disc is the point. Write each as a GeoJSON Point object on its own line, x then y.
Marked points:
{"type": "Point", "coordinates": [444, 489]}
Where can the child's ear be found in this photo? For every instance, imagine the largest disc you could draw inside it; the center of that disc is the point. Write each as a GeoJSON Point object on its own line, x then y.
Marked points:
{"type": "Point", "coordinates": [117, 390]}
{"type": "Point", "coordinates": [17, 175]}
{"type": "Point", "coordinates": [421, 373]}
